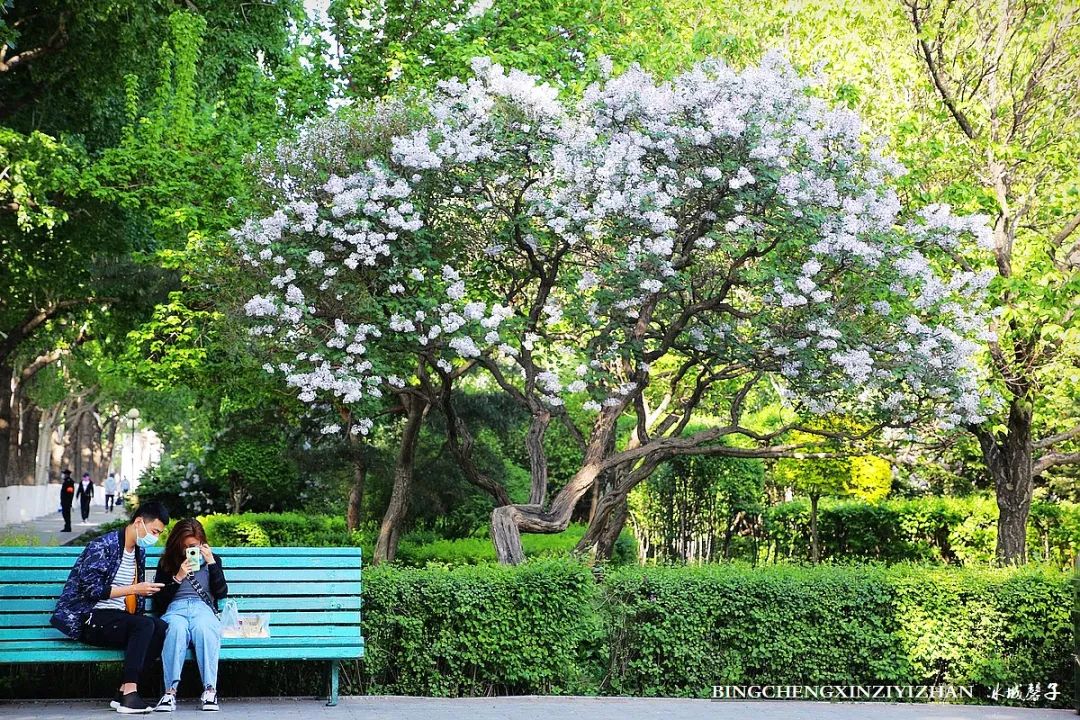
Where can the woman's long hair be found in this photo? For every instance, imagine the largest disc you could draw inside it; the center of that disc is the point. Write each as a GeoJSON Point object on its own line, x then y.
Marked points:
{"type": "Point", "coordinates": [173, 557]}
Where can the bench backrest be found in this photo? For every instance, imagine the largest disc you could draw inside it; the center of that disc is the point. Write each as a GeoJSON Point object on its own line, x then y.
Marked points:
{"type": "Point", "coordinates": [309, 593]}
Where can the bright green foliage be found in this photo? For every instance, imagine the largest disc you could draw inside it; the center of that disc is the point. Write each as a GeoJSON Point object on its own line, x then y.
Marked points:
{"type": "Point", "coordinates": [699, 508]}
{"type": "Point", "coordinates": [679, 631]}
{"type": "Point", "coordinates": [951, 530]}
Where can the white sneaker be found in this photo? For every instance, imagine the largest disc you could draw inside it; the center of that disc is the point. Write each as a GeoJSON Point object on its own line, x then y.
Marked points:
{"type": "Point", "coordinates": [167, 703]}
{"type": "Point", "coordinates": [209, 699]}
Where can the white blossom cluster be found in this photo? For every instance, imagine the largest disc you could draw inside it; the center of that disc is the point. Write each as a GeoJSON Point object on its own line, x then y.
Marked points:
{"type": "Point", "coordinates": [728, 204]}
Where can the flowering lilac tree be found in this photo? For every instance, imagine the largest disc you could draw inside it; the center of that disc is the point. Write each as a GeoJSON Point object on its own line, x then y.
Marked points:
{"type": "Point", "coordinates": [655, 251]}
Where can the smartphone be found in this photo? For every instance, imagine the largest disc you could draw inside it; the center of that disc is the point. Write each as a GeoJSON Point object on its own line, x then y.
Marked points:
{"type": "Point", "coordinates": [194, 556]}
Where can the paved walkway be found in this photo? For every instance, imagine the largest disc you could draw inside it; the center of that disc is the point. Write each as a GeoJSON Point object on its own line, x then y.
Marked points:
{"type": "Point", "coordinates": [547, 708]}
{"type": "Point", "coordinates": [46, 530]}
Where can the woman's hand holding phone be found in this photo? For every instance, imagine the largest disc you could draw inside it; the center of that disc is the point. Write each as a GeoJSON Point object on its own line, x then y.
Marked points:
{"type": "Point", "coordinates": [186, 569]}
{"type": "Point", "coordinates": [207, 553]}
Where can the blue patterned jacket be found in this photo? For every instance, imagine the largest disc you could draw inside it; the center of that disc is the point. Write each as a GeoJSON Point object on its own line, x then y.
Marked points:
{"type": "Point", "coordinates": [90, 581]}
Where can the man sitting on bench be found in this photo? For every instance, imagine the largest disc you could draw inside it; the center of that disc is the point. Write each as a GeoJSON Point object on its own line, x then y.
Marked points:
{"type": "Point", "coordinates": [102, 601]}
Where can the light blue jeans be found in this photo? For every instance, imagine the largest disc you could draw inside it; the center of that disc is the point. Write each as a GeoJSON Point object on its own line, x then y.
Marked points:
{"type": "Point", "coordinates": [191, 622]}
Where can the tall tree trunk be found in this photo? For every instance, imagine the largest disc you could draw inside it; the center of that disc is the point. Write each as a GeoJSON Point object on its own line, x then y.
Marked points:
{"type": "Point", "coordinates": [534, 443]}
{"type": "Point", "coordinates": [110, 426]}
{"type": "Point", "coordinates": [815, 542]}
{"type": "Point", "coordinates": [57, 447]}
{"type": "Point", "coordinates": [1009, 460]}
{"type": "Point", "coordinates": [5, 422]}
{"type": "Point", "coordinates": [390, 530]}
{"type": "Point", "coordinates": [354, 511]}
{"type": "Point", "coordinates": [29, 438]}
{"type": "Point", "coordinates": [89, 442]}
{"type": "Point", "coordinates": [605, 545]}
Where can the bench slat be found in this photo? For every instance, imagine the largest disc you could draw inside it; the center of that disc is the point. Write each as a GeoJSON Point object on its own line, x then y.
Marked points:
{"type": "Point", "coordinates": [22, 621]}
{"type": "Point", "coordinates": [279, 574]}
{"type": "Point", "coordinates": [306, 587]}
{"type": "Point", "coordinates": [246, 604]}
{"type": "Point", "coordinates": [292, 652]}
{"type": "Point", "coordinates": [308, 630]}
{"type": "Point", "coordinates": [74, 550]}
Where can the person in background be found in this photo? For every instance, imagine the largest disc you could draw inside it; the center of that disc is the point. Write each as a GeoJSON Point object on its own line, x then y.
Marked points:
{"type": "Point", "coordinates": [125, 488]}
{"type": "Point", "coordinates": [102, 602]}
{"type": "Point", "coordinates": [188, 605]}
{"type": "Point", "coordinates": [67, 496]}
{"type": "Point", "coordinates": [85, 493]}
{"type": "Point", "coordinates": [110, 492]}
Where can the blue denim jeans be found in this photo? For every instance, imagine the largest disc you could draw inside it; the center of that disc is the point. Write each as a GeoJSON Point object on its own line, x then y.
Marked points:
{"type": "Point", "coordinates": [191, 622]}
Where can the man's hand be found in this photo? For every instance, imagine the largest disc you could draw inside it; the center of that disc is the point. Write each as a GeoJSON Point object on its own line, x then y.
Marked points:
{"type": "Point", "coordinates": [146, 589]}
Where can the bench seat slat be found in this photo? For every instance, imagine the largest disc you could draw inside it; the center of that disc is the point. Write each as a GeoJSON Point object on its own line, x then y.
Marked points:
{"type": "Point", "coordinates": [30, 576]}
{"type": "Point", "coordinates": [310, 630]}
{"type": "Point", "coordinates": [264, 587]}
{"type": "Point", "coordinates": [74, 550]}
{"type": "Point", "coordinates": [278, 618]}
{"type": "Point", "coordinates": [301, 652]}
{"type": "Point", "coordinates": [245, 603]}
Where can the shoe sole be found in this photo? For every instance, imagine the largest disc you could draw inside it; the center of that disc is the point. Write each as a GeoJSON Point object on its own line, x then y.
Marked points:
{"type": "Point", "coordinates": [164, 708]}
{"type": "Point", "coordinates": [132, 711]}
{"type": "Point", "coordinates": [211, 709]}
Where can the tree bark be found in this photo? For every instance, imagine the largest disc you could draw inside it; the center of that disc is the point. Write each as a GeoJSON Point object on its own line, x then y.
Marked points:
{"type": "Point", "coordinates": [29, 438]}
{"type": "Point", "coordinates": [609, 535]}
{"type": "Point", "coordinates": [393, 520]}
{"type": "Point", "coordinates": [354, 511]}
{"type": "Point", "coordinates": [1009, 460]}
{"type": "Point", "coordinates": [5, 422]}
{"type": "Point", "coordinates": [508, 521]}
{"type": "Point", "coordinates": [534, 442]}
{"type": "Point", "coordinates": [815, 543]}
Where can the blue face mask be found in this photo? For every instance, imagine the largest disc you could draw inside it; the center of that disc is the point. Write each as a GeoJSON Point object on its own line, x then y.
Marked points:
{"type": "Point", "coordinates": [148, 540]}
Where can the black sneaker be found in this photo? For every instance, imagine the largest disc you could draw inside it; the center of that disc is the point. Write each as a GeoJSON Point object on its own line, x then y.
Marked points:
{"type": "Point", "coordinates": [115, 702]}
{"type": "Point", "coordinates": [132, 703]}
{"type": "Point", "coordinates": [209, 699]}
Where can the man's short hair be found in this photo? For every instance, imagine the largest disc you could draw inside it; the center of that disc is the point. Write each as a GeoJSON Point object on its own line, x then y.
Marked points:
{"type": "Point", "coordinates": [151, 510]}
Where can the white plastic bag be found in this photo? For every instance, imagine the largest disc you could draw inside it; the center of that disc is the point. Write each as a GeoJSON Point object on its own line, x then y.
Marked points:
{"type": "Point", "coordinates": [230, 618]}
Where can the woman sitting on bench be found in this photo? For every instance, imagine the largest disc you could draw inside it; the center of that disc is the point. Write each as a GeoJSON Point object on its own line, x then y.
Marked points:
{"type": "Point", "coordinates": [194, 583]}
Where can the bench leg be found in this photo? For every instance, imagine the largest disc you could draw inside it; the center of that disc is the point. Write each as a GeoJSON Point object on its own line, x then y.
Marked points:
{"type": "Point", "coordinates": [332, 678]}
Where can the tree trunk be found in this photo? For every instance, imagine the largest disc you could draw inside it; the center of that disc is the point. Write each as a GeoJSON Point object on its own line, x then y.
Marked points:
{"type": "Point", "coordinates": [605, 545]}
{"type": "Point", "coordinates": [90, 443]}
{"type": "Point", "coordinates": [1009, 460]}
{"type": "Point", "coordinates": [108, 447]}
{"type": "Point", "coordinates": [815, 546]}
{"type": "Point", "coordinates": [5, 422]}
{"type": "Point", "coordinates": [534, 443]}
{"type": "Point", "coordinates": [354, 511]}
{"type": "Point", "coordinates": [29, 438]}
{"type": "Point", "coordinates": [394, 518]}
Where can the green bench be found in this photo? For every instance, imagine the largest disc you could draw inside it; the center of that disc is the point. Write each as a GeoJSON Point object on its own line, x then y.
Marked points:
{"type": "Point", "coordinates": [312, 596]}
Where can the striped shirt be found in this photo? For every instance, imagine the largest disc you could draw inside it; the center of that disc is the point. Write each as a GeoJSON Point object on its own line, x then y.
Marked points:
{"type": "Point", "coordinates": [125, 576]}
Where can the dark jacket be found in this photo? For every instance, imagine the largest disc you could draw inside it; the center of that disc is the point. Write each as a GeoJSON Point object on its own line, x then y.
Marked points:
{"type": "Point", "coordinates": [90, 581]}
{"type": "Point", "coordinates": [218, 587]}
{"type": "Point", "coordinates": [67, 491]}
{"type": "Point", "coordinates": [85, 492]}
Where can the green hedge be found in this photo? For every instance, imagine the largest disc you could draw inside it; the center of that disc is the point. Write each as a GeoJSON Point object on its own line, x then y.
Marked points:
{"type": "Point", "coordinates": [482, 630]}
{"type": "Point", "coordinates": [556, 626]}
{"type": "Point", "coordinates": [676, 631]}
{"type": "Point", "coordinates": [415, 549]}
{"type": "Point", "coordinates": [952, 530]}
